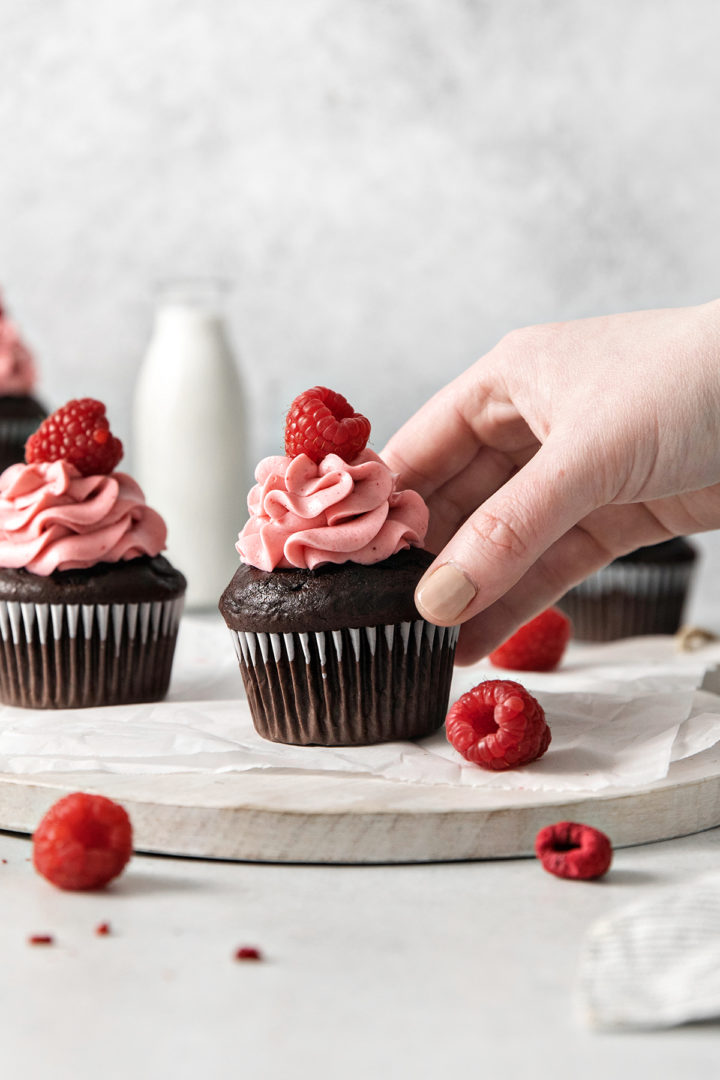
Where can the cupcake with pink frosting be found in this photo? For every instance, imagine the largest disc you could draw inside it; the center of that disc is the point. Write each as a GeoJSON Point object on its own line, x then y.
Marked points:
{"type": "Point", "coordinates": [331, 647]}
{"type": "Point", "coordinates": [20, 411]}
{"type": "Point", "coordinates": [89, 608]}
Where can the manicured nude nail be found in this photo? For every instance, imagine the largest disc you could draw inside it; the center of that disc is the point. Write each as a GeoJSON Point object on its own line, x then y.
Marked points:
{"type": "Point", "coordinates": [444, 595]}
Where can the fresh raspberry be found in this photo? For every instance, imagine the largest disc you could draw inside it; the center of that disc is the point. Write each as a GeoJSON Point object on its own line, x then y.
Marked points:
{"type": "Point", "coordinates": [247, 952]}
{"type": "Point", "coordinates": [79, 433]}
{"type": "Point", "coordinates": [539, 645]}
{"type": "Point", "coordinates": [83, 842]}
{"type": "Point", "coordinates": [498, 725]}
{"type": "Point", "coordinates": [321, 422]}
{"type": "Point", "coordinates": [570, 850]}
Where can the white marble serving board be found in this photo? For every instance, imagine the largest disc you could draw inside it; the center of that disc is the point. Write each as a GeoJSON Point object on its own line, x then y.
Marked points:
{"type": "Point", "coordinates": [209, 806]}
{"type": "Point", "coordinates": [289, 817]}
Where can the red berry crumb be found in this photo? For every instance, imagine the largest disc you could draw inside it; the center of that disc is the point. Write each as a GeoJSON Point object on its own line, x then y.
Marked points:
{"type": "Point", "coordinates": [41, 939]}
{"type": "Point", "coordinates": [83, 842]}
{"type": "Point", "coordinates": [248, 952]}
{"type": "Point", "coordinates": [570, 850]}
{"type": "Point", "coordinates": [321, 422]}
{"type": "Point", "coordinates": [539, 645]}
{"type": "Point", "coordinates": [102, 929]}
{"type": "Point", "coordinates": [78, 433]}
{"type": "Point", "coordinates": [498, 725]}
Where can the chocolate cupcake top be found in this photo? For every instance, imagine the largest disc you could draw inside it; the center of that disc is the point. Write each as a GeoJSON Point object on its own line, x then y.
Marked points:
{"type": "Point", "coordinates": [21, 407]}
{"type": "Point", "coordinates": [135, 581]}
{"type": "Point", "coordinates": [677, 550]}
{"type": "Point", "coordinates": [330, 597]}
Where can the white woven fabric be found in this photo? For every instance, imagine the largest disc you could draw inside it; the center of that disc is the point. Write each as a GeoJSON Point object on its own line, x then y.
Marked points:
{"type": "Point", "coordinates": [656, 963]}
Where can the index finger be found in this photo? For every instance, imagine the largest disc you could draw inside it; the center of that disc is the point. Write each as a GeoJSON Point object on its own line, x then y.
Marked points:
{"type": "Point", "coordinates": [439, 441]}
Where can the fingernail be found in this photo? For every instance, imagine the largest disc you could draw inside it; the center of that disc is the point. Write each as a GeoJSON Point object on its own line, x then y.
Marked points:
{"type": "Point", "coordinates": [444, 595]}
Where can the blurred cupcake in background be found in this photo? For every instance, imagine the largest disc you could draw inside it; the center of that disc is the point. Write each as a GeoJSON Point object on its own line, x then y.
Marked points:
{"type": "Point", "coordinates": [89, 607]}
{"type": "Point", "coordinates": [643, 592]}
{"type": "Point", "coordinates": [20, 412]}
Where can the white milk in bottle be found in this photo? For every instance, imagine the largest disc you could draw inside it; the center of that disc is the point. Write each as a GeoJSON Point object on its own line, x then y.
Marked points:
{"type": "Point", "coordinates": [189, 438]}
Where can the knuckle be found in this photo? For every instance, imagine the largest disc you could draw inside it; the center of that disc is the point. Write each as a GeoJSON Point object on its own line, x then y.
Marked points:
{"type": "Point", "coordinates": [500, 537]}
{"type": "Point", "coordinates": [534, 341]}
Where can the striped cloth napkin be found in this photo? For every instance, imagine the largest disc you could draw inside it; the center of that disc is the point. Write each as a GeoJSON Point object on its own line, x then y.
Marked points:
{"type": "Point", "coordinates": [656, 963]}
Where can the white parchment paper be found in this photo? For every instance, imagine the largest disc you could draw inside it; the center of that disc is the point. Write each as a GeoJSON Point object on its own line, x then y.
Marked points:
{"type": "Point", "coordinates": [619, 714]}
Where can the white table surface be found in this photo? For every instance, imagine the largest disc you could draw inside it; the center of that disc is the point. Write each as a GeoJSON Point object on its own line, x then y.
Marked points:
{"type": "Point", "coordinates": [415, 971]}
{"type": "Point", "coordinates": [404, 971]}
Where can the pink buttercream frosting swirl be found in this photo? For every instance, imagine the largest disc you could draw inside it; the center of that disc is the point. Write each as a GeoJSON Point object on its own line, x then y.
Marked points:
{"type": "Point", "coordinates": [303, 514]}
{"type": "Point", "coordinates": [53, 518]}
{"type": "Point", "coordinates": [17, 367]}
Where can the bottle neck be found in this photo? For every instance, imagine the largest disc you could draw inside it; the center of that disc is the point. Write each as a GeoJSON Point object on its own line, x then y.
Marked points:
{"type": "Point", "coordinates": [187, 320]}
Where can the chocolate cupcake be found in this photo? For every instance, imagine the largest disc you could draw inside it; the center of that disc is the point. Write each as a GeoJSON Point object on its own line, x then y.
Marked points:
{"type": "Point", "coordinates": [20, 411]}
{"type": "Point", "coordinates": [331, 648]}
{"type": "Point", "coordinates": [643, 592]}
{"type": "Point", "coordinates": [89, 609]}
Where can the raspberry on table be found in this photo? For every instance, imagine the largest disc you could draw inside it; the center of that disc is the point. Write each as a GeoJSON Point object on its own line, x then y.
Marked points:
{"type": "Point", "coordinates": [247, 952]}
{"type": "Point", "coordinates": [83, 842]}
{"type": "Point", "coordinates": [320, 422]}
{"type": "Point", "coordinates": [41, 939]}
{"type": "Point", "coordinates": [539, 645]}
{"type": "Point", "coordinates": [571, 850]}
{"type": "Point", "coordinates": [498, 725]}
{"type": "Point", "coordinates": [78, 433]}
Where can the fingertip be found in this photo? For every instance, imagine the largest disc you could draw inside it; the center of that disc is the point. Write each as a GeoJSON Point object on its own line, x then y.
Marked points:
{"type": "Point", "coordinates": [444, 594]}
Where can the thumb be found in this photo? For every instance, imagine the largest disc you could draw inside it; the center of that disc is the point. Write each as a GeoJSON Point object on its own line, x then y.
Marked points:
{"type": "Point", "coordinates": [504, 537]}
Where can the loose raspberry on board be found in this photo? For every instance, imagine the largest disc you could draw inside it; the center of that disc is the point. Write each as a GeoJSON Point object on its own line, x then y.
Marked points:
{"type": "Point", "coordinates": [571, 850]}
{"type": "Point", "coordinates": [539, 645]}
{"type": "Point", "coordinates": [78, 433]}
{"type": "Point", "coordinates": [498, 725]}
{"type": "Point", "coordinates": [321, 422]}
{"type": "Point", "coordinates": [83, 842]}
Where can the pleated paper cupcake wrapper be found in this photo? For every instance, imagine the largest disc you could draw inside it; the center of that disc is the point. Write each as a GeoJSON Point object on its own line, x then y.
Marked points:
{"type": "Point", "coordinates": [13, 436]}
{"type": "Point", "coordinates": [76, 655]}
{"type": "Point", "coordinates": [629, 600]}
{"type": "Point", "coordinates": [348, 687]}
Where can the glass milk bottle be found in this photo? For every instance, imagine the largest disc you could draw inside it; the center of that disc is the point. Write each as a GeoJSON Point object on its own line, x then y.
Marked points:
{"type": "Point", "coordinates": [189, 437]}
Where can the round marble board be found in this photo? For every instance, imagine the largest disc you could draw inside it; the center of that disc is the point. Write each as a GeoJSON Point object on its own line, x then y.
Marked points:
{"type": "Point", "coordinates": [289, 817]}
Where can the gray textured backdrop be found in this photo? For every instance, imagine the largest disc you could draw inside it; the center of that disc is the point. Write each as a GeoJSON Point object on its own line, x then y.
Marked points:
{"type": "Point", "coordinates": [390, 184]}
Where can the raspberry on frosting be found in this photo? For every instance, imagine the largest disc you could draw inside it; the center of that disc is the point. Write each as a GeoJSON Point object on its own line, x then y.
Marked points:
{"type": "Point", "coordinates": [78, 433]}
{"type": "Point", "coordinates": [321, 422]}
{"type": "Point", "coordinates": [305, 513]}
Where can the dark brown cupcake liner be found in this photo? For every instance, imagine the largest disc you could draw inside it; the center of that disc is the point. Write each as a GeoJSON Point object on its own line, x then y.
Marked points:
{"type": "Point", "coordinates": [348, 687]}
{"type": "Point", "coordinates": [64, 656]}
{"type": "Point", "coordinates": [629, 600]}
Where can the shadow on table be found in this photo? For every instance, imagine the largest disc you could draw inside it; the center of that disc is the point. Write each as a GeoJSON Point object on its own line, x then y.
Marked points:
{"type": "Point", "coordinates": [139, 883]}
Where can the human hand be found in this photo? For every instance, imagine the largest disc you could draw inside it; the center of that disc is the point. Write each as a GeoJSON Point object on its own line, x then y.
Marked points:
{"type": "Point", "coordinates": [565, 446]}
